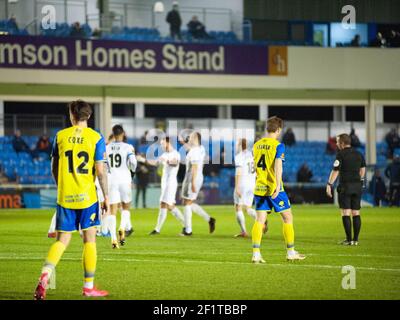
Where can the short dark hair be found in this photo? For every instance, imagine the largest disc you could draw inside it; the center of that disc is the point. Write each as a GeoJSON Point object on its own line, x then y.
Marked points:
{"type": "Point", "coordinates": [273, 124]}
{"type": "Point", "coordinates": [117, 130]}
{"type": "Point", "coordinates": [344, 138]}
{"type": "Point", "coordinates": [81, 110]}
{"type": "Point", "coordinates": [167, 139]}
{"type": "Point", "coordinates": [243, 144]}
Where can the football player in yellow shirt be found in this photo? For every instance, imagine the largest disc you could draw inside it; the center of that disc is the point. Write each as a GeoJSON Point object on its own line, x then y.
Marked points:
{"type": "Point", "coordinates": [269, 194]}
{"type": "Point", "coordinates": [79, 155]}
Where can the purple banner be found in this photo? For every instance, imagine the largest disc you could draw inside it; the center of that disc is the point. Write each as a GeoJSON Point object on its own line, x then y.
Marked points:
{"type": "Point", "coordinates": [122, 56]}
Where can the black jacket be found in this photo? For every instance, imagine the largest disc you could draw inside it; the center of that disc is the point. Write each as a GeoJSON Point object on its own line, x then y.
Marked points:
{"type": "Point", "coordinates": [174, 19]}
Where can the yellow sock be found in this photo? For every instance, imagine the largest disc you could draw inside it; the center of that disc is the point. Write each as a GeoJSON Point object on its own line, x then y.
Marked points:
{"type": "Point", "coordinates": [89, 261]}
{"type": "Point", "coordinates": [256, 236]}
{"type": "Point", "coordinates": [288, 234]}
{"type": "Point", "coordinates": [53, 257]}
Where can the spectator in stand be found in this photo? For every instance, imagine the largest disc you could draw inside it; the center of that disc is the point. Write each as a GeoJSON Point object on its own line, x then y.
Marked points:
{"type": "Point", "coordinates": [197, 29]}
{"type": "Point", "coordinates": [379, 41]}
{"type": "Point", "coordinates": [13, 22]}
{"type": "Point", "coordinates": [304, 174]}
{"type": "Point", "coordinates": [331, 145]}
{"type": "Point", "coordinates": [356, 41]}
{"type": "Point", "coordinates": [289, 138]}
{"type": "Point", "coordinates": [19, 144]}
{"type": "Point", "coordinates": [43, 145]}
{"type": "Point", "coordinates": [394, 39]}
{"type": "Point", "coordinates": [355, 141]}
{"type": "Point", "coordinates": [96, 33]}
{"type": "Point", "coordinates": [393, 173]}
{"type": "Point", "coordinates": [377, 188]}
{"type": "Point", "coordinates": [142, 181]}
{"type": "Point", "coordinates": [77, 31]}
{"type": "Point", "coordinates": [393, 141]}
{"type": "Point", "coordinates": [175, 21]}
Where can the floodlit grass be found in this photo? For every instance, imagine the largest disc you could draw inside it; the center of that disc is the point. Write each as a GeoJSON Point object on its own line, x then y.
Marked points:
{"type": "Point", "coordinates": [207, 266]}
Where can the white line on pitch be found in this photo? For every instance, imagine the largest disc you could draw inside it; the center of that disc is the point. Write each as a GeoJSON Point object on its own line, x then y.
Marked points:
{"type": "Point", "coordinates": [295, 264]}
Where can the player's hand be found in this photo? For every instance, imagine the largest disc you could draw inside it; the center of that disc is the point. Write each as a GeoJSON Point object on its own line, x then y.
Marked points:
{"type": "Point", "coordinates": [329, 191]}
{"type": "Point", "coordinates": [275, 194]}
{"type": "Point", "coordinates": [140, 159]}
{"type": "Point", "coordinates": [106, 207]}
{"type": "Point", "coordinates": [193, 188]}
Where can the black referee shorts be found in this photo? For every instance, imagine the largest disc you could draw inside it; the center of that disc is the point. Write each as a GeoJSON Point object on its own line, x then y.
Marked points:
{"type": "Point", "coordinates": [350, 196]}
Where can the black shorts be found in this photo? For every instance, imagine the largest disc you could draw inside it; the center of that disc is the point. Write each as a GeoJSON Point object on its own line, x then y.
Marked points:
{"type": "Point", "coordinates": [350, 196]}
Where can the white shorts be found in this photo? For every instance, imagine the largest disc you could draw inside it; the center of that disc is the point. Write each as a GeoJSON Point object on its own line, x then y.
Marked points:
{"type": "Point", "coordinates": [120, 192]}
{"type": "Point", "coordinates": [246, 199]}
{"type": "Point", "coordinates": [168, 194]}
{"type": "Point", "coordinates": [187, 192]}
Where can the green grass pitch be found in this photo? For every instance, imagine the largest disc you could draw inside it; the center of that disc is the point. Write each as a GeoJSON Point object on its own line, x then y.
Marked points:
{"type": "Point", "coordinates": [214, 266]}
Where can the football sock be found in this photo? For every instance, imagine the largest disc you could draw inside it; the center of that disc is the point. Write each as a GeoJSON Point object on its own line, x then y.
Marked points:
{"type": "Point", "coordinates": [104, 225]}
{"type": "Point", "coordinates": [347, 227]}
{"type": "Point", "coordinates": [125, 220]}
{"type": "Point", "coordinates": [52, 227]}
{"type": "Point", "coordinates": [128, 220]}
{"type": "Point", "coordinates": [162, 215]}
{"type": "Point", "coordinates": [53, 257]}
{"type": "Point", "coordinates": [187, 213]}
{"type": "Point", "coordinates": [240, 220]}
{"type": "Point", "coordinates": [288, 235]}
{"type": "Point", "coordinates": [256, 236]}
{"type": "Point", "coordinates": [178, 215]}
{"type": "Point", "coordinates": [112, 225]}
{"type": "Point", "coordinates": [251, 212]}
{"type": "Point", "coordinates": [89, 263]}
{"type": "Point", "coordinates": [200, 211]}
{"type": "Point", "coordinates": [356, 227]}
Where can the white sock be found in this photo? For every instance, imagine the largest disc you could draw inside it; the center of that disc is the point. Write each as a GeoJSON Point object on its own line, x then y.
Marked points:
{"type": "Point", "coordinates": [112, 224]}
{"type": "Point", "coordinates": [240, 220]}
{"type": "Point", "coordinates": [128, 225]}
{"type": "Point", "coordinates": [52, 227]}
{"type": "Point", "coordinates": [104, 225]}
{"type": "Point", "coordinates": [88, 285]}
{"type": "Point", "coordinates": [187, 213]}
{"type": "Point", "coordinates": [162, 215]}
{"type": "Point", "coordinates": [125, 217]}
{"type": "Point", "coordinates": [200, 211]}
{"type": "Point", "coordinates": [178, 215]}
{"type": "Point", "coordinates": [251, 212]}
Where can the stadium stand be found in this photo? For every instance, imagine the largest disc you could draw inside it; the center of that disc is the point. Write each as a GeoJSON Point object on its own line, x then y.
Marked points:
{"type": "Point", "coordinates": [23, 169]}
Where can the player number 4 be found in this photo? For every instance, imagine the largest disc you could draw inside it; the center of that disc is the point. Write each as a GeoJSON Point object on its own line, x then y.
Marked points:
{"type": "Point", "coordinates": [261, 163]}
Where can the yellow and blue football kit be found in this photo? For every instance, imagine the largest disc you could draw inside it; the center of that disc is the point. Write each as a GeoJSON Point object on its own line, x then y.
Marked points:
{"type": "Point", "coordinates": [77, 150]}
{"type": "Point", "coordinates": [265, 151]}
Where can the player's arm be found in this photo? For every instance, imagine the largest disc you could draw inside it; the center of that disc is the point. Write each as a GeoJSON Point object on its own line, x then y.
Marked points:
{"type": "Point", "coordinates": [237, 181]}
{"type": "Point", "coordinates": [55, 161]}
{"type": "Point", "coordinates": [278, 176]}
{"type": "Point", "coordinates": [333, 176]}
{"type": "Point", "coordinates": [54, 168]}
{"type": "Point", "coordinates": [363, 170]}
{"type": "Point", "coordinates": [278, 168]}
{"type": "Point", "coordinates": [101, 167]}
{"type": "Point", "coordinates": [194, 176]}
{"type": "Point", "coordinates": [153, 163]}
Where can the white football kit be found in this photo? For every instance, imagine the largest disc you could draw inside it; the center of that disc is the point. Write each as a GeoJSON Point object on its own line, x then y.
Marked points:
{"type": "Point", "coordinates": [244, 162]}
{"type": "Point", "coordinates": [196, 155]}
{"type": "Point", "coordinates": [121, 161]}
{"type": "Point", "coordinates": [169, 182]}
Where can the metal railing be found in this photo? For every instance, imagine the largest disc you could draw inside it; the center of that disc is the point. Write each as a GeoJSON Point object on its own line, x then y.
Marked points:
{"type": "Point", "coordinates": [32, 124]}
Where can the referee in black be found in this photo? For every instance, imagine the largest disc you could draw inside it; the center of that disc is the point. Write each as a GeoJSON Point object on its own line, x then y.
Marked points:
{"type": "Point", "coordinates": [350, 167]}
